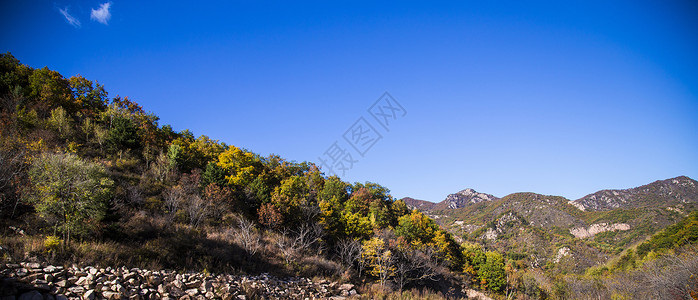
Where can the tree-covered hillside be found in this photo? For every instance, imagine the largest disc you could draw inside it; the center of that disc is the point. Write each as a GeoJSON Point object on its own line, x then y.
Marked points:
{"type": "Point", "coordinates": [93, 179]}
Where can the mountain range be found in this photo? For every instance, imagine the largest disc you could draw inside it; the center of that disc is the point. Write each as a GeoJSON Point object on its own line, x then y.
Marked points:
{"type": "Point", "coordinates": [569, 235]}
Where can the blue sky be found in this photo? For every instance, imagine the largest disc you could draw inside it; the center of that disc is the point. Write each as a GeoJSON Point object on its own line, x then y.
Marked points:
{"type": "Point", "coordinates": [550, 97]}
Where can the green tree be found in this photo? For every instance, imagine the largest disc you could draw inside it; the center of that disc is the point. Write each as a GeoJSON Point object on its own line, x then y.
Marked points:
{"type": "Point", "coordinates": [123, 134]}
{"type": "Point", "coordinates": [417, 228]}
{"type": "Point", "coordinates": [492, 274]}
{"type": "Point", "coordinates": [61, 122]}
{"type": "Point", "coordinates": [69, 192]}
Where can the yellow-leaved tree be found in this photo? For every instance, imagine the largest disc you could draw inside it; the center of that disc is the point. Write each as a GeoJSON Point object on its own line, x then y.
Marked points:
{"type": "Point", "coordinates": [241, 167]}
{"type": "Point", "coordinates": [378, 259]}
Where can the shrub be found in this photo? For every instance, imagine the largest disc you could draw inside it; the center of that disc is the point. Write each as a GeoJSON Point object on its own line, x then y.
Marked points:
{"type": "Point", "coordinates": [51, 243]}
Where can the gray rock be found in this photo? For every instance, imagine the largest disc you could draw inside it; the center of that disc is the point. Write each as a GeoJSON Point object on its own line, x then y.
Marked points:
{"type": "Point", "coordinates": [192, 292]}
{"type": "Point", "coordinates": [111, 295]}
{"type": "Point", "coordinates": [76, 290]}
{"type": "Point", "coordinates": [193, 284]}
{"type": "Point", "coordinates": [178, 283]}
{"type": "Point", "coordinates": [89, 295]}
{"type": "Point", "coordinates": [33, 266]}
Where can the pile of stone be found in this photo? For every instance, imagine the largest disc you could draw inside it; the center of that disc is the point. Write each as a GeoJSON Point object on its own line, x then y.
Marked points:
{"type": "Point", "coordinates": [35, 281]}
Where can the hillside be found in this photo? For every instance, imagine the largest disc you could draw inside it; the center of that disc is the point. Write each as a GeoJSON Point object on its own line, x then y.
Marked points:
{"type": "Point", "coordinates": [659, 194]}
{"type": "Point", "coordinates": [92, 180]}
{"type": "Point", "coordinates": [568, 235]}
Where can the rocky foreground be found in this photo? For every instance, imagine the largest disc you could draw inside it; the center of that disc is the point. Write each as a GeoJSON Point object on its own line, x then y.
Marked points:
{"type": "Point", "coordinates": [34, 281]}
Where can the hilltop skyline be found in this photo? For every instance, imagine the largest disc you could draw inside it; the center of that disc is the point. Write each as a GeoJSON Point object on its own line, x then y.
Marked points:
{"type": "Point", "coordinates": [544, 97]}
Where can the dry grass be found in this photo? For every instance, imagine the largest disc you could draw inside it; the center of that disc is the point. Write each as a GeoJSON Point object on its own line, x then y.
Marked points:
{"type": "Point", "coordinates": [376, 291]}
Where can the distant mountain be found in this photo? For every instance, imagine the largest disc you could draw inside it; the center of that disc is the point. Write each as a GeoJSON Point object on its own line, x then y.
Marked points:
{"type": "Point", "coordinates": [453, 201]}
{"type": "Point", "coordinates": [559, 233]}
{"type": "Point", "coordinates": [661, 193]}
{"type": "Point", "coordinates": [421, 205]}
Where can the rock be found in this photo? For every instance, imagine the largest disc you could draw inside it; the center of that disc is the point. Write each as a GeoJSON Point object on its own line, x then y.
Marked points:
{"type": "Point", "coordinates": [62, 283]}
{"type": "Point", "coordinates": [154, 280]}
{"type": "Point", "coordinates": [178, 283]}
{"type": "Point", "coordinates": [76, 290]}
{"type": "Point", "coordinates": [33, 265]}
{"type": "Point", "coordinates": [82, 281]}
{"type": "Point", "coordinates": [346, 286]}
{"type": "Point", "coordinates": [111, 295]}
{"type": "Point", "coordinates": [193, 284]}
{"type": "Point", "coordinates": [207, 286]}
{"type": "Point", "coordinates": [50, 269]}
{"type": "Point", "coordinates": [33, 295]}
{"type": "Point", "coordinates": [89, 295]}
{"type": "Point", "coordinates": [192, 292]}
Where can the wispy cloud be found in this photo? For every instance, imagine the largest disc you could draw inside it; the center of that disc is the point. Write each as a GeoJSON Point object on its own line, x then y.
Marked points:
{"type": "Point", "coordinates": [69, 18]}
{"type": "Point", "coordinates": [101, 14]}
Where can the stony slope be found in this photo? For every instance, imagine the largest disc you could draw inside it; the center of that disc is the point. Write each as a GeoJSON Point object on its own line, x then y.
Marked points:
{"type": "Point", "coordinates": [41, 281]}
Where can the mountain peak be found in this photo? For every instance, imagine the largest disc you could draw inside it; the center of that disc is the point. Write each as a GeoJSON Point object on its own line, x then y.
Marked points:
{"type": "Point", "coordinates": [465, 197]}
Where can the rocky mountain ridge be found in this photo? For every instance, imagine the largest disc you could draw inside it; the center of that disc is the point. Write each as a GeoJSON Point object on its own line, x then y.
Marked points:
{"type": "Point", "coordinates": [535, 228]}
{"type": "Point", "coordinates": [673, 191]}
{"type": "Point", "coordinates": [460, 199]}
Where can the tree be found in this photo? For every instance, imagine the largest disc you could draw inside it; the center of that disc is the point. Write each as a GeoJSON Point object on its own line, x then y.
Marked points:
{"type": "Point", "coordinates": [241, 166]}
{"type": "Point", "coordinates": [378, 259]}
{"type": "Point", "coordinates": [69, 192]}
{"type": "Point", "coordinates": [417, 228]}
{"type": "Point", "coordinates": [492, 275]}
{"type": "Point", "coordinates": [12, 169]}
{"type": "Point", "coordinates": [123, 134]}
{"type": "Point", "coordinates": [349, 251]}
{"type": "Point", "coordinates": [414, 265]}
{"type": "Point", "coordinates": [50, 90]}
{"type": "Point", "coordinates": [91, 97]}
{"type": "Point", "coordinates": [61, 122]}
{"type": "Point", "coordinates": [246, 234]}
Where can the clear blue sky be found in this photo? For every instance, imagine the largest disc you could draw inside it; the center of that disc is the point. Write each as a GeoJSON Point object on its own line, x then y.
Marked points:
{"type": "Point", "coordinates": [548, 97]}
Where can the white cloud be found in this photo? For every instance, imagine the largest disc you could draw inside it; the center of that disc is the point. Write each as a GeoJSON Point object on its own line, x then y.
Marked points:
{"type": "Point", "coordinates": [101, 14]}
{"type": "Point", "coordinates": [70, 19]}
